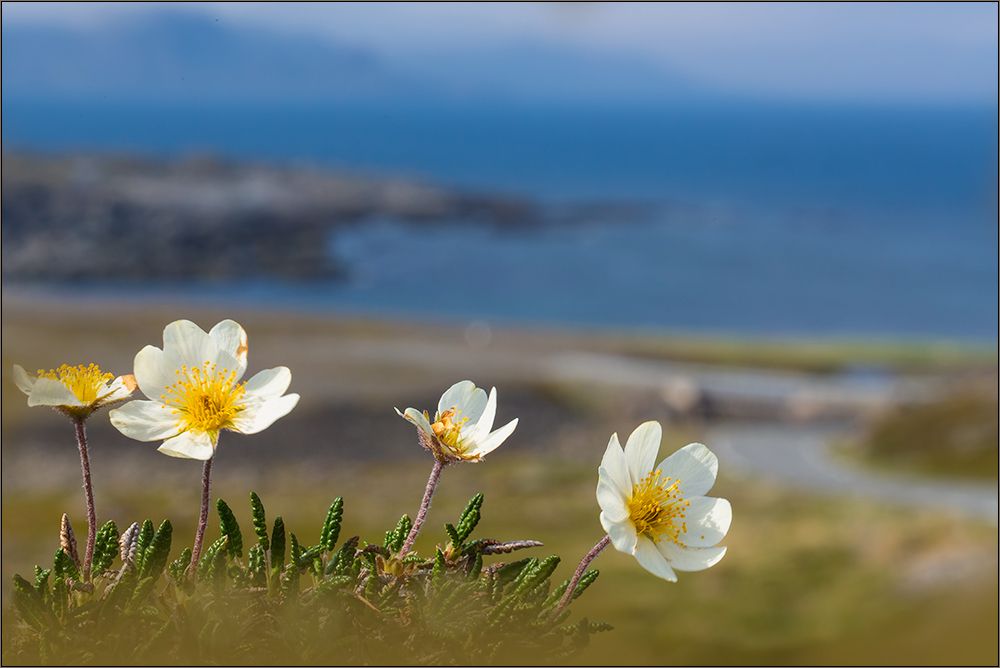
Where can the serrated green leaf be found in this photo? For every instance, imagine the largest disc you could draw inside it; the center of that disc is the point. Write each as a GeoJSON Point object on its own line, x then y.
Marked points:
{"type": "Point", "coordinates": [157, 553]}
{"type": "Point", "coordinates": [230, 527]}
{"type": "Point", "coordinates": [259, 521]}
{"type": "Point", "coordinates": [331, 525]}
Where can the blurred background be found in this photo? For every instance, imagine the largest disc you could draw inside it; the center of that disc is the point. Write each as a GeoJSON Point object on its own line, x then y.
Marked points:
{"type": "Point", "coordinates": [773, 228]}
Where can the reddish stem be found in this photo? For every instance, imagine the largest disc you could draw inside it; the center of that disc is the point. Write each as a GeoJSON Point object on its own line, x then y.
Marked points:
{"type": "Point", "coordinates": [568, 596]}
{"type": "Point", "coordinates": [88, 488]}
{"type": "Point", "coordinates": [425, 505]}
{"type": "Point", "coordinates": [206, 498]}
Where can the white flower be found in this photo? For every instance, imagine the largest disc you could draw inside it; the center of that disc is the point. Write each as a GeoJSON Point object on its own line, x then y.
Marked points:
{"type": "Point", "coordinates": [661, 516]}
{"type": "Point", "coordinates": [194, 384]}
{"type": "Point", "coordinates": [77, 391]}
{"type": "Point", "coordinates": [461, 427]}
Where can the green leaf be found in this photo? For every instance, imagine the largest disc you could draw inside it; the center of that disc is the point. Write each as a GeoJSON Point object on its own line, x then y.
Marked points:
{"type": "Point", "coordinates": [510, 572]}
{"type": "Point", "coordinates": [60, 597]}
{"type": "Point", "coordinates": [453, 535]}
{"type": "Point", "coordinates": [178, 568]}
{"type": "Point", "coordinates": [208, 559]}
{"type": "Point", "coordinates": [538, 574]}
{"type": "Point", "coordinates": [331, 525]}
{"type": "Point", "coordinates": [145, 538]}
{"type": "Point", "coordinates": [259, 521]}
{"type": "Point", "coordinates": [257, 564]}
{"type": "Point", "coordinates": [157, 554]}
{"type": "Point", "coordinates": [230, 527]}
{"type": "Point", "coordinates": [64, 566]}
{"type": "Point", "coordinates": [142, 590]}
{"type": "Point", "coordinates": [470, 518]}
{"type": "Point", "coordinates": [29, 603]}
{"type": "Point", "coordinates": [105, 548]}
{"type": "Point", "coordinates": [278, 545]}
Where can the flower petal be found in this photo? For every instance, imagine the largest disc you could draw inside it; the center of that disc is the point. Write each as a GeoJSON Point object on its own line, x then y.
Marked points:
{"type": "Point", "coordinates": [694, 467]}
{"type": "Point", "coordinates": [51, 392]}
{"type": "Point", "coordinates": [189, 343]}
{"type": "Point", "coordinates": [189, 445]}
{"type": "Point", "coordinates": [610, 498]}
{"type": "Point", "coordinates": [616, 468]}
{"type": "Point", "coordinates": [621, 533]}
{"type": "Point", "coordinates": [269, 383]}
{"type": "Point", "coordinates": [481, 429]}
{"type": "Point", "coordinates": [232, 339]}
{"type": "Point", "coordinates": [708, 521]}
{"type": "Point", "coordinates": [690, 558]}
{"type": "Point", "coordinates": [465, 397]}
{"type": "Point", "coordinates": [418, 419]}
{"type": "Point", "coordinates": [119, 390]}
{"type": "Point", "coordinates": [641, 450]}
{"type": "Point", "coordinates": [491, 442]}
{"type": "Point", "coordinates": [260, 416]}
{"type": "Point", "coordinates": [23, 379]}
{"type": "Point", "coordinates": [155, 371]}
{"type": "Point", "coordinates": [226, 363]}
{"type": "Point", "coordinates": [652, 560]}
{"type": "Point", "coordinates": [145, 420]}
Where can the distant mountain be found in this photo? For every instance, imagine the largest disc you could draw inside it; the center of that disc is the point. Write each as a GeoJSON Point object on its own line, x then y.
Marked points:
{"type": "Point", "coordinates": [193, 58]}
{"type": "Point", "coordinates": [188, 57]}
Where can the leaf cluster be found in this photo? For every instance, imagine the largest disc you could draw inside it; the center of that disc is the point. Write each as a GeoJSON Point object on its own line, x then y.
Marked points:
{"type": "Point", "coordinates": [279, 601]}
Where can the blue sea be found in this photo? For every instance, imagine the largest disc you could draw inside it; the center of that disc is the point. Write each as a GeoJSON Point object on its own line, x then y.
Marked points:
{"type": "Point", "coordinates": [752, 219]}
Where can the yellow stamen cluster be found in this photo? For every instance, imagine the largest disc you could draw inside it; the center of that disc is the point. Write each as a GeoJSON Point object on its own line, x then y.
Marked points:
{"type": "Point", "coordinates": [206, 398]}
{"type": "Point", "coordinates": [657, 508]}
{"type": "Point", "coordinates": [449, 431]}
{"type": "Point", "coordinates": [85, 382]}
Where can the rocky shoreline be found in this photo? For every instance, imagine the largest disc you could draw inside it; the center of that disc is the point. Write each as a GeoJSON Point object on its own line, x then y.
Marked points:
{"type": "Point", "coordinates": [117, 217]}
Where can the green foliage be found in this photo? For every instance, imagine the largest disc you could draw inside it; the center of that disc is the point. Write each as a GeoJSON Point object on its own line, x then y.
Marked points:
{"type": "Point", "coordinates": [145, 538]}
{"type": "Point", "coordinates": [331, 526]}
{"type": "Point", "coordinates": [277, 547]}
{"type": "Point", "coordinates": [231, 528]}
{"type": "Point", "coordinates": [105, 548]}
{"type": "Point", "coordinates": [259, 521]}
{"type": "Point", "coordinates": [394, 539]}
{"type": "Point", "coordinates": [156, 554]}
{"type": "Point", "coordinates": [353, 605]}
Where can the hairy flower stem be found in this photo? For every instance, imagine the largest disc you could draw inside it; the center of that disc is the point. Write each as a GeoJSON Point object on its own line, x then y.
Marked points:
{"type": "Point", "coordinates": [206, 498]}
{"type": "Point", "coordinates": [88, 488]}
{"type": "Point", "coordinates": [425, 505]}
{"type": "Point", "coordinates": [568, 596]}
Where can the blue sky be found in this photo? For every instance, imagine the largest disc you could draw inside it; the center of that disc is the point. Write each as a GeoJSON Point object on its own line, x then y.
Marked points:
{"type": "Point", "coordinates": [913, 52]}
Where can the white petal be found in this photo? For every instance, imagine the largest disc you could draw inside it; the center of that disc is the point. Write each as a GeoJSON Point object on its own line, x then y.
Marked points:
{"type": "Point", "coordinates": [231, 339]}
{"type": "Point", "coordinates": [258, 417]}
{"type": "Point", "coordinates": [650, 558]}
{"type": "Point", "coordinates": [481, 429]}
{"type": "Point", "coordinates": [417, 418]}
{"type": "Point", "coordinates": [616, 468]}
{"type": "Point", "coordinates": [50, 392]}
{"type": "Point", "coordinates": [694, 467]}
{"type": "Point", "coordinates": [189, 343]}
{"type": "Point", "coordinates": [155, 371]}
{"type": "Point", "coordinates": [23, 379]}
{"type": "Point", "coordinates": [189, 445]}
{"type": "Point", "coordinates": [145, 420]}
{"type": "Point", "coordinates": [690, 558]}
{"type": "Point", "coordinates": [493, 441]}
{"type": "Point", "coordinates": [119, 390]}
{"type": "Point", "coordinates": [465, 397]}
{"type": "Point", "coordinates": [622, 534]}
{"type": "Point", "coordinates": [641, 450]}
{"type": "Point", "coordinates": [610, 498]}
{"type": "Point", "coordinates": [226, 363]}
{"type": "Point", "coordinates": [269, 383]}
{"type": "Point", "coordinates": [708, 521]}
